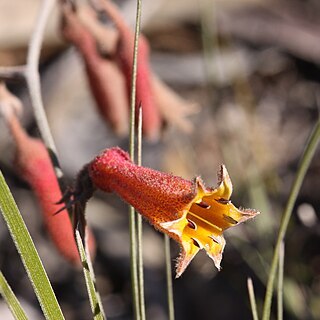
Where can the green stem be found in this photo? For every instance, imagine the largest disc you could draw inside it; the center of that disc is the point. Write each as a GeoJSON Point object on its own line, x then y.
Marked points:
{"type": "Point", "coordinates": [134, 79]}
{"type": "Point", "coordinates": [140, 226]}
{"type": "Point", "coordinates": [94, 298]}
{"type": "Point", "coordinates": [28, 253]}
{"type": "Point", "coordinates": [169, 277]}
{"type": "Point", "coordinates": [280, 282]}
{"type": "Point", "coordinates": [134, 262]}
{"type": "Point", "coordinates": [304, 165]}
{"type": "Point", "coordinates": [132, 214]}
{"type": "Point", "coordinates": [252, 298]}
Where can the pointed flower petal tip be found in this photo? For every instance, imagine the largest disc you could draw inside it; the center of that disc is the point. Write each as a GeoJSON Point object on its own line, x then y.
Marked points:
{"type": "Point", "coordinates": [190, 213]}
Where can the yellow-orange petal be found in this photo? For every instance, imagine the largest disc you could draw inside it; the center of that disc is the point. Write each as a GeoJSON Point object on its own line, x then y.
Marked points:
{"type": "Point", "coordinates": [224, 188]}
{"type": "Point", "coordinates": [188, 251]}
{"type": "Point", "coordinates": [175, 227]}
{"type": "Point", "coordinates": [216, 250]}
{"type": "Point", "coordinates": [204, 220]}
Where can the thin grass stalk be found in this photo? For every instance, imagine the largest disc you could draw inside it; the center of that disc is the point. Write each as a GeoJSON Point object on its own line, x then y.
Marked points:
{"type": "Point", "coordinates": [252, 299]}
{"type": "Point", "coordinates": [303, 167]}
{"type": "Point", "coordinates": [169, 277]}
{"type": "Point", "coordinates": [95, 302]}
{"type": "Point", "coordinates": [11, 299]}
{"type": "Point", "coordinates": [132, 213]}
{"type": "Point", "coordinates": [140, 226]}
{"type": "Point", "coordinates": [92, 275]}
{"type": "Point", "coordinates": [133, 80]}
{"type": "Point", "coordinates": [134, 263]}
{"type": "Point", "coordinates": [280, 281]}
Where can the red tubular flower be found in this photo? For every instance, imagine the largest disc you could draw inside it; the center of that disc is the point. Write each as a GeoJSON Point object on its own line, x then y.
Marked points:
{"type": "Point", "coordinates": [190, 213]}
{"type": "Point", "coordinates": [124, 55]}
{"type": "Point", "coordinates": [33, 164]}
{"type": "Point", "coordinates": [106, 81]}
{"type": "Point", "coordinates": [173, 109]}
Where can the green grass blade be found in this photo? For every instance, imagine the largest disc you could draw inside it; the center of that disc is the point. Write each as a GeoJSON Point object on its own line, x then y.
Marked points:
{"type": "Point", "coordinates": [280, 282]}
{"type": "Point", "coordinates": [307, 156]}
{"type": "Point", "coordinates": [28, 253]}
{"type": "Point", "coordinates": [94, 297]}
{"type": "Point", "coordinates": [140, 227]}
{"type": "Point", "coordinates": [132, 213]}
{"type": "Point", "coordinates": [134, 262]}
{"type": "Point", "coordinates": [252, 298]}
{"type": "Point", "coordinates": [11, 299]}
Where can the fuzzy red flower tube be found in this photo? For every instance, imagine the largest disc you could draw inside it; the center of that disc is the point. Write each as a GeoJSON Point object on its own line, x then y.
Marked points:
{"type": "Point", "coordinates": [33, 164]}
{"type": "Point", "coordinates": [190, 213]}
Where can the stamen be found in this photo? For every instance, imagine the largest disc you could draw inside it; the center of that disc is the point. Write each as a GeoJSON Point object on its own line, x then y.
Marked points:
{"type": "Point", "coordinates": [223, 201]}
{"type": "Point", "coordinates": [192, 224]}
{"type": "Point", "coordinates": [196, 243]}
{"type": "Point", "coordinates": [203, 205]}
{"type": "Point", "coordinates": [230, 219]}
{"type": "Point", "coordinates": [215, 239]}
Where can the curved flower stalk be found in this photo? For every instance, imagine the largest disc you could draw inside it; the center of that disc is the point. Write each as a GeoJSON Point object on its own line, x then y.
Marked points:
{"type": "Point", "coordinates": [33, 164]}
{"type": "Point", "coordinates": [190, 213]}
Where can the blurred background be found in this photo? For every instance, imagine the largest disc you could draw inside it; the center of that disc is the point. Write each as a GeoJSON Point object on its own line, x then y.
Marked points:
{"type": "Point", "coordinates": [253, 68]}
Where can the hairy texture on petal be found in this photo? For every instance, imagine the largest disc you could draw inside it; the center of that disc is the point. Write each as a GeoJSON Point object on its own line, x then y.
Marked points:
{"type": "Point", "coordinates": [124, 54]}
{"type": "Point", "coordinates": [106, 81]}
{"type": "Point", "coordinates": [158, 196]}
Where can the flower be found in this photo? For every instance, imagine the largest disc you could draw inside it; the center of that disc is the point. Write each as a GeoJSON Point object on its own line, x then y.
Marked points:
{"type": "Point", "coordinates": [190, 213]}
{"type": "Point", "coordinates": [107, 53]}
{"type": "Point", "coordinates": [33, 164]}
